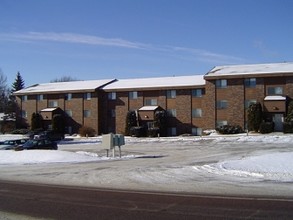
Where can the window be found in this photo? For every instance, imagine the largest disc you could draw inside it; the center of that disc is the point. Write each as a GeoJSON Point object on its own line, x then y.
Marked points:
{"type": "Point", "coordinates": [133, 95]}
{"type": "Point", "coordinates": [172, 131]}
{"type": "Point", "coordinates": [221, 83]}
{"type": "Point", "coordinates": [278, 90]}
{"type": "Point", "coordinates": [150, 124]}
{"type": "Point", "coordinates": [221, 123]}
{"type": "Point", "coordinates": [53, 103]}
{"type": "Point", "coordinates": [112, 95]}
{"type": "Point", "coordinates": [68, 113]}
{"type": "Point", "coordinates": [68, 96]}
{"type": "Point", "coordinates": [171, 94]}
{"type": "Point", "coordinates": [250, 83]}
{"type": "Point", "coordinates": [40, 97]}
{"type": "Point", "coordinates": [249, 102]}
{"type": "Point", "coordinates": [196, 131]}
{"type": "Point", "coordinates": [23, 114]}
{"type": "Point", "coordinates": [86, 113]}
{"type": "Point", "coordinates": [171, 112]}
{"type": "Point", "coordinates": [151, 102]}
{"type": "Point", "coordinates": [112, 113]}
{"type": "Point", "coordinates": [197, 92]}
{"type": "Point", "coordinates": [196, 113]}
{"type": "Point", "coordinates": [24, 98]}
{"type": "Point", "coordinates": [221, 104]}
{"type": "Point", "coordinates": [87, 96]}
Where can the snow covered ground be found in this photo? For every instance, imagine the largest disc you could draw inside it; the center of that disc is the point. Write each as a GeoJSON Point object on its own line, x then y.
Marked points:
{"type": "Point", "coordinates": [236, 164]}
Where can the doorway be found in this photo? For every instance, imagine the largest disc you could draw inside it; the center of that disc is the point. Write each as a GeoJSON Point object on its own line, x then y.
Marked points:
{"type": "Point", "coordinates": [278, 120]}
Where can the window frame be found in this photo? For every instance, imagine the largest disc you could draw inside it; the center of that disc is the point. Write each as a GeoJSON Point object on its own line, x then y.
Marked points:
{"type": "Point", "coordinates": [133, 95]}
{"type": "Point", "coordinates": [221, 83]}
{"type": "Point", "coordinates": [250, 82]}
{"type": "Point", "coordinates": [171, 94]}
{"type": "Point", "coordinates": [222, 104]}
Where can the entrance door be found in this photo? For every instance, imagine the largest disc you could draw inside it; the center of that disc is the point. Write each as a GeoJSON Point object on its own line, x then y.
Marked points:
{"type": "Point", "coordinates": [278, 120]}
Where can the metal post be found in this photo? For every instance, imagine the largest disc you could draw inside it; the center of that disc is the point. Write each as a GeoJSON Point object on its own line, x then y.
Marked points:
{"type": "Point", "coordinates": [119, 151]}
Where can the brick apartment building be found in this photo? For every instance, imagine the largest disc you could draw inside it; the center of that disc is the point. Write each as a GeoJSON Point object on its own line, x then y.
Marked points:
{"type": "Point", "coordinates": [193, 103]}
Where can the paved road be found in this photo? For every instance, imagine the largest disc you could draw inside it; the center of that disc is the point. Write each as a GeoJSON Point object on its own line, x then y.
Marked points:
{"type": "Point", "coordinates": [61, 202]}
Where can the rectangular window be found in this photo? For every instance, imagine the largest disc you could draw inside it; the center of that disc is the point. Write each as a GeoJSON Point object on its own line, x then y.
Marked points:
{"type": "Point", "coordinates": [196, 131]}
{"type": "Point", "coordinates": [87, 96]}
{"type": "Point", "coordinates": [24, 114]}
{"type": "Point", "coordinates": [221, 83]}
{"type": "Point", "coordinates": [250, 83]}
{"type": "Point", "coordinates": [24, 98]}
{"type": "Point", "coordinates": [133, 95]}
{"type": "Point", "coordinates": [86, 113]}
{"type": "Point", "coordinates": [249, 102]}
{"type": "Point", "coordinates": [171, 94]}
{"type": "Point", "coordinates": [112, 113]}
{"type": "Point", "coordinates": [68, 96]}
{"type": "Point", "coordinates": [222, 104]}
{"type": "Point", "coordinates": [221, 123]}
{"type": "Point", "coordinates": [152, 102]}
{"type": "Point", "coordinates": [277, 90]}
{"type": "Point", "coordinates": [172, 131]}
{"type": "Point", "coordinates": [53, 103]}
{"type": "Point", "coordinates": [112, 95]}
{"type": "Point", "coordinates": [197, 92]}
{"type": "Point", "coordinates": [171, 112]}
{"type": "Point", "coordinates": [68, 113]}
{"type": "Point", "coordinates": [40, 97]}
{"type": "Point", "coordinates": [196, 113]}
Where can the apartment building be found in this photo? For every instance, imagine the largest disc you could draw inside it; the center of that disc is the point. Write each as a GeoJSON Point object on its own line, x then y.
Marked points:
{"type": "Point", "coordinates": [77, 101]}
{"type": "Point", "coordinates": [181, 96]}
{"type": "Point", "coordinates": [193, 103]}
{"type": "Point", "coordinates": [230, 90]}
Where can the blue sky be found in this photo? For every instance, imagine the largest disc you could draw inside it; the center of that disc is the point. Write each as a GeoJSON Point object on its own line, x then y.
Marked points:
{"type": "Point", "coordinates": [103, 39]}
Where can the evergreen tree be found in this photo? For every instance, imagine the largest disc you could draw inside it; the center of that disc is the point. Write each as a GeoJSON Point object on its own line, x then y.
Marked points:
{"type": "Point", "coordinates": [131, 121]}
{"type": "Point", "coordinates": [289, 116]}
{"type": "Point", "coordinates": [58, 124]}
{"type": "Point", "coordinates": [18, 83]}
{"type": "Point", "coordinates": [36, 121]}
{"type": "Point", "coordinates": [254, 117]}
{"type": "Point", "coordinates": [160, 122]}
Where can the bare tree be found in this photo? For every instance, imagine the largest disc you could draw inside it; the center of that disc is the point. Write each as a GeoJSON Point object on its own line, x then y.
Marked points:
{"type": "Point", "coordinates": [64, 79]}
{"type": "Point", "coordinates": [3, 92]}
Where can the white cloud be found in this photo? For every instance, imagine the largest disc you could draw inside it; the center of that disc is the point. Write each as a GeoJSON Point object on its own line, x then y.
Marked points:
{"type": "Point", "coordinates": [208, 56]}
{"type": "Point", "coordinates": [74, 38]}
{"type": "Point", "coordinates": [180, 52]}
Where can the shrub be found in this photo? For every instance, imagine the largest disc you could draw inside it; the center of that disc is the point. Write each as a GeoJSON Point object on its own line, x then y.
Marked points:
{"type": "Point", "coordinates": [153, 132]}
{"type": "Point", "coordinates": [288, 127]}
{"type": "Point", "coordinates": [266, 127]}
{"type": "Point", "coordinates": [21, 131]}
{"type": "Point", "coordinates": [138, 131]}
{"type": "Point", "coordinates": [229, 129]}
{"type": "Point", "coordinates": [86, 131]}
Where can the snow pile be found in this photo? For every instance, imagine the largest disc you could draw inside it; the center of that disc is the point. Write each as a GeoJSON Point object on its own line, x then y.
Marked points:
{"type": "Point", "coordinates": [274, 167]}
{"type": "Point", "coordinates": [51, 156]}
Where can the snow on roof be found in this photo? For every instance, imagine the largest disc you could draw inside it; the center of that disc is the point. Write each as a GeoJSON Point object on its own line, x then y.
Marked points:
{"type": "Point", "coordinates": [48, 109]}
{"type": "Point", "coordinates": [270, 68]}
{"type": "Point", "coordinates": [158, 82]}
{"type": "Point", "coordinates": [89, 85]}
{"type": "Point", "coordinates": [275, 98]}
{"type": "Point", "coordinates": [148, 108]}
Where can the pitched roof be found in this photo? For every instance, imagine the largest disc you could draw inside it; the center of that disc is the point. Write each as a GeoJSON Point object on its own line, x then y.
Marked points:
{"type": "Point", "coordinates": [156, 83]}
{"type": "Point", "coordinates": [251, 69]}
{"type": "Point", "coordinates": [57, 87]}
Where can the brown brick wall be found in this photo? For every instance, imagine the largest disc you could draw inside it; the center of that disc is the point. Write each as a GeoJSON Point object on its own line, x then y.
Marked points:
{"type": "Point", "coordinates": [209, 105]}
